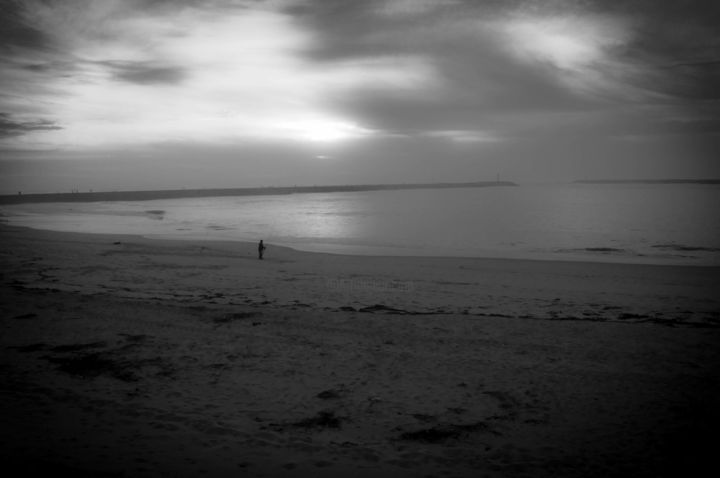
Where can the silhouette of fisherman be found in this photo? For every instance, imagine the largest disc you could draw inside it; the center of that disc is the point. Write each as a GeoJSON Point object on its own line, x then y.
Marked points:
{"type": "Point", "coordinates": [261, 249]}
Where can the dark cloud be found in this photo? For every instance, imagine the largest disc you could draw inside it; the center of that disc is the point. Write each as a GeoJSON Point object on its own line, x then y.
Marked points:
{"type": "Point", "coordinates": [671, 33]}
{"type": "Point", "coordinates": [24, 24]}
{"type": "Point", "coordinates": [478, 78]}
{"type": "Point", "coordinates": [145, 73]}
{"type": "Point", "coordinates": [37, 67]}
{"type": "Point", "coordinates": [351, 29]}
{"type": "Point", "coordinates": [457, 108]}
{"type": "Point", "coordinates": [58, 66]}
{"type": "Point", "coordinates": [683, 30]}
{"type": "Point", "coordinates": [677, 42]}
{"type": "Point", "coordinates": [16, 32]}
{"type": "Point", "coordinates": [11, 127]}
{"type": "Point", "coordinates": [668, 57]}
{"type": "Point", "coordinates": [691, 80]}
{"type": "Point", "coordinates": [346, 28]}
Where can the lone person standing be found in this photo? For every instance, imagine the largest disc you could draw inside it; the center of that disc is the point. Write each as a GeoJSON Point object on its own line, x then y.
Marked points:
{"type": "Point", "coordinates": [261, 249]}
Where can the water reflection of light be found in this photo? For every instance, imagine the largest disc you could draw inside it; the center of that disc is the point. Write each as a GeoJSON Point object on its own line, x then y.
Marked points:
{"type": "Point", "coordinates": [323, 218]}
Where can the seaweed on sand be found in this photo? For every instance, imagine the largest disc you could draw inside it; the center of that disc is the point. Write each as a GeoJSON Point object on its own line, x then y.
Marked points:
{"type": "Point", "coordinates": [440, 434]}
{"type": "Point", "coordinates": [93, 365]}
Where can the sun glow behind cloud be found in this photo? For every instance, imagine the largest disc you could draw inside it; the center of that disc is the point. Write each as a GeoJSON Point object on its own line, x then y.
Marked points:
{"type": "Point", "coordinates": [387, 88]}
{"type": "Point", "coordinates": [209, 78]}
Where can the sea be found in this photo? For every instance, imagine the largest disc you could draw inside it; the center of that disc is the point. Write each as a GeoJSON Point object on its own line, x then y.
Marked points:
{"type": "Point", "coordinates": [629, 223]}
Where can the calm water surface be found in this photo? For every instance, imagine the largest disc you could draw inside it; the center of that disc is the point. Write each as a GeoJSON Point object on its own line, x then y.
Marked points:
{"type": "Point", "coordinates": [678, 223]}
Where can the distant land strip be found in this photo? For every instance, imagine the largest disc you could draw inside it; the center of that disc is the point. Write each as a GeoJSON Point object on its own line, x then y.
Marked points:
{"type": "Point", "coordinates": [648, 181]}
{"type": "Point", "coordinates": [198, 193]}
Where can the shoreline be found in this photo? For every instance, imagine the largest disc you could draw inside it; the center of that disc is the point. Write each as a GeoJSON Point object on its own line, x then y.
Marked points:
{"type": "Point", "coordinates": [139, 357]}
{"type": "Point", "coordinates": [602, 255]}
{"type": "Point", "coordinates": [432, 277]}
{"type": "Point", "coordinates": [661, 239]}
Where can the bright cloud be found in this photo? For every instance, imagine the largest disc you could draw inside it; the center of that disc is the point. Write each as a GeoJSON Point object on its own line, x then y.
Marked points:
{"type": "Point", "coordinates": [569, 42]}
{"type": "Point", "coordinates": [465, 136]}
{"type": "Point", "coordinates": [580, 47]}
{"type": "Point", "coordinates": [224, 78]}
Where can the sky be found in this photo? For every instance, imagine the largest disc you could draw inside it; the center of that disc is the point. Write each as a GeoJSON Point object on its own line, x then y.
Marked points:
{"type": "Point", "coordinates": [161, 94]}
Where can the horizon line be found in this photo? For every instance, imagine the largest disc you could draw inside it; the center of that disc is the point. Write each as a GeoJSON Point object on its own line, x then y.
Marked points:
{"type": "Point", "coordinates": [139, 195]}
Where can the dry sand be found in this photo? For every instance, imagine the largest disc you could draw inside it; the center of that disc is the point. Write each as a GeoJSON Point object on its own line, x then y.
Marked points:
{"type": "Point", "coordinates": [125, 356]}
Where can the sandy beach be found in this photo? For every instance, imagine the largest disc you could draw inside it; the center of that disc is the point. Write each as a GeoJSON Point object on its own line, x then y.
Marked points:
{"type": "Point", "coordinates": [127, 356]}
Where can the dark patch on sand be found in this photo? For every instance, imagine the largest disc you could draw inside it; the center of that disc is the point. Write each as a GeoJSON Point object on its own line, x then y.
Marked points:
{"type": "Point", "coordinates": [26, 316]}
{"type": "Point", "coordinates": [30, 347]}
{"type": "Point", "coordinates": [630, 316]}
{"type": "Point", "coordinates": [227, 318]}
{"type": "Point", "coordinates": [135, 338]}
{"type": "Point", "coordinates": [442, 433]}
{"type": "Point", "coordinates": [324, 419]}
{"type": "Point", "coordinates": [78, 347]}
{"type": "Point", "coordinates": [93, 365]}
{"type": "Point", "coordinates": [86, 361]}
{"type": "Point", "coordinates": [423, 417]}
{"type": "Point", "coordinates": [329, 394]}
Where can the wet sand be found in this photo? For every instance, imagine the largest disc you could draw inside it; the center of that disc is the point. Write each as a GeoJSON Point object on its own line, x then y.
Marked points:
{"type": "Point", "coordinates": [125, 356]}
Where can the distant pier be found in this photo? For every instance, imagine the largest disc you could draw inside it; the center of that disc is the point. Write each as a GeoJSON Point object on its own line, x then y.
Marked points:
{"type": "Point", "coordinates": [200, 193]}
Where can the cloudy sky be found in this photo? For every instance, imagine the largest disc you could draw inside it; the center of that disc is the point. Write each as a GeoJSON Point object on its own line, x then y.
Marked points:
{"type": "Point", "coordinates": [156, 94]}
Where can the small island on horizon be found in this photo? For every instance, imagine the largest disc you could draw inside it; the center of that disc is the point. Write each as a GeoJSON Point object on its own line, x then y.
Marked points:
{"type": "Point", "coordinates": [258, 191]}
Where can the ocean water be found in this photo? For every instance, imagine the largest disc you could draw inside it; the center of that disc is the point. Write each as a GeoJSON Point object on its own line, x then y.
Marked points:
{"type": "Point", "coordinates": [646, 223]}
